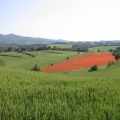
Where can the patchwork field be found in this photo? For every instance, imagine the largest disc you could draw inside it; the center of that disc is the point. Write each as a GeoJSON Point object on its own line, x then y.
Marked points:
{"type": "Point", "coordinates": [82, 61]}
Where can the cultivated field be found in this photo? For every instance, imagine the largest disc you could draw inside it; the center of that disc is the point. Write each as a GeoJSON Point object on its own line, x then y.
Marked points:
{"type": "Point", "coordinates": [42, 58]}
{"type": "Point", "coordinates": [82, 61]}
{"type": "Point", "coordinates": [62, 45]}
{"type": "Point", "coordinates": [77, 95]}
{"type": "Point", "coordinates": [102, 48]}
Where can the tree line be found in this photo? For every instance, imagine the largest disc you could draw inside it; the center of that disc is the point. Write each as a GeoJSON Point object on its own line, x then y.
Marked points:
{"type": "Point", "coordinates": [40, 47]}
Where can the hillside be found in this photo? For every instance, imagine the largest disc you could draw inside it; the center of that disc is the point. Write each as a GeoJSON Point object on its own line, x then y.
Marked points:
{"type": "Point", "coordinates": [102, 48]}
{"type": "Point", "coordinates": [30, 95]}
{"type": "Point", "coordinates": [78, 95]}
{"type": "Point", "coordinates": [12, 40]}
{"type": "Point", "coordinates": [42, 58]}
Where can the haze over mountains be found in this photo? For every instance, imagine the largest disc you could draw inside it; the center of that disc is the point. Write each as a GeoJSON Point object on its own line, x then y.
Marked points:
{"type": "Point", "coordinates": [17, 40]}
{"type": "Point", "coordinates": [12, 39]}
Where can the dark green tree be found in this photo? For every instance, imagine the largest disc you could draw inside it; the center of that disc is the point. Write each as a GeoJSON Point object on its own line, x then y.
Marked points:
{"type": "Point", "coordinates": [117, 56]}
{"type": "Point", "coordinates": [98, 50]}
{"type": "Point", "coordinates": [9, 49]}
{"type": "Point", "coordinates": [54, 48]}
{"type": "Point", "coordinates": [67, 58]}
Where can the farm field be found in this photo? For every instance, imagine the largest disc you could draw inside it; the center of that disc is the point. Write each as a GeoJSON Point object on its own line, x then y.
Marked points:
{"type": "Point", "coordinates": [61, 45]}
{"type": "Point", "coordinates": [102, 48]}
{"type": "Point", "coordinates": [82, 61]}
{"type": "Point", "coordinates": [77, 95]}
{"type": "Point", "coordinates": [42, 58]}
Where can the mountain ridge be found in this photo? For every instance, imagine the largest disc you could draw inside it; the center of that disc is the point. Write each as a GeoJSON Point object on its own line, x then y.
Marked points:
{"type": "Point", "coordinates": [24, 40]}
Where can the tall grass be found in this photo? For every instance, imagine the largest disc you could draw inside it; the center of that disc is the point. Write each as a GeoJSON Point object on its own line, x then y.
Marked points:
{"type": "Point", "coordinates": [26, 95]}
{"type": "Point", "coordinates": [81, 95]}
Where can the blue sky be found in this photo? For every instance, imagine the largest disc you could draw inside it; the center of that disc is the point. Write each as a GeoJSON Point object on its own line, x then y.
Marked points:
{"type": "Point", "coordinates": [76, 20]}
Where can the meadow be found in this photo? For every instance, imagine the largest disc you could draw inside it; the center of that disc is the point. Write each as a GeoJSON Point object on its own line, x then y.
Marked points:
{"type": "Point", "coordinates": [102, 48]}
{"type": "Point", "coordinates": [77, 95]}
{"type": "Point", "coordinates": [62, 45]}
{"type": "Point", "coordinates": [42, 58]}
{"type": "Point", "coordinates": [93, 49]}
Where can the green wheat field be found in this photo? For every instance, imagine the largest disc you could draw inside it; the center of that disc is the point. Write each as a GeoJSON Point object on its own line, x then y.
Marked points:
{"type": "Point", "coordinates": [77, 95]}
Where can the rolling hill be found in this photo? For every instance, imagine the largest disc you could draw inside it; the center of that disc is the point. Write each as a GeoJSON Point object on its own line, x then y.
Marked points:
{"type": "Point", "coordinates": [12, 40]}
{"type": "Point", "coordinates": [29, 95]}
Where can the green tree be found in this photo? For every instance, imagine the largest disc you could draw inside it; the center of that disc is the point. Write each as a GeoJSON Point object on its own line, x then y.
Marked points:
{"type": "Point", "coordinates": [98, 50]}
{"type": "Point", "coordinates": [67, 58]}
{"type": "Point", "coordinates": [117, 56]}
{"type": "Point", "coordinates": [110, 50]}
{"type": "Point", "coordinates": [54, 48]}
{"type": "Point", "coordinates": [9, 49]}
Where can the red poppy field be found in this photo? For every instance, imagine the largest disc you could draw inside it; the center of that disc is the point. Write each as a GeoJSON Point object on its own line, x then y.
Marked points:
{"type": "Point", "coordinates": [85, 60]}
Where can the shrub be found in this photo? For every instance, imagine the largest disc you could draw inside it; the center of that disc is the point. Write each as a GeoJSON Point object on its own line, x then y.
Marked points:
{"type": "Point", "coordinates": [110, 63]}
{"type": "Point", "coordinates": [93, 68]}
{"type": "Point", "coordinates": [67, 58]}
{"type": "Point", "coordinates": [117, 56]}
{"type": "Point", "coordinates": [98, 50]}
{"type": "Point", "coordinates": [35, 68]}
{"type": "Point", "coordinates": [29, 54]}
{"type": "Point", "coordinates": [2, 62]}
{"type": "Point", "coordinates": [51, 64]}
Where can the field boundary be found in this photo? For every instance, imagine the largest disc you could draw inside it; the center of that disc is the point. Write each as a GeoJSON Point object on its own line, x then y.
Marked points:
{"type": "Point", "coordinates": [11, 56]}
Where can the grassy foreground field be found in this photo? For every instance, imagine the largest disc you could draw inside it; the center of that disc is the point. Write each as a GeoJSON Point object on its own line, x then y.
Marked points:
{"type": "Point", "coordinates": [27, 95]}
{"type": "Point", "coordinates": [81, 95]}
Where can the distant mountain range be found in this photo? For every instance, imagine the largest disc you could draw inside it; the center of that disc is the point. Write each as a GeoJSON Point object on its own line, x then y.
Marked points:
{"type": "Point", "coordinates": [13, 40]}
